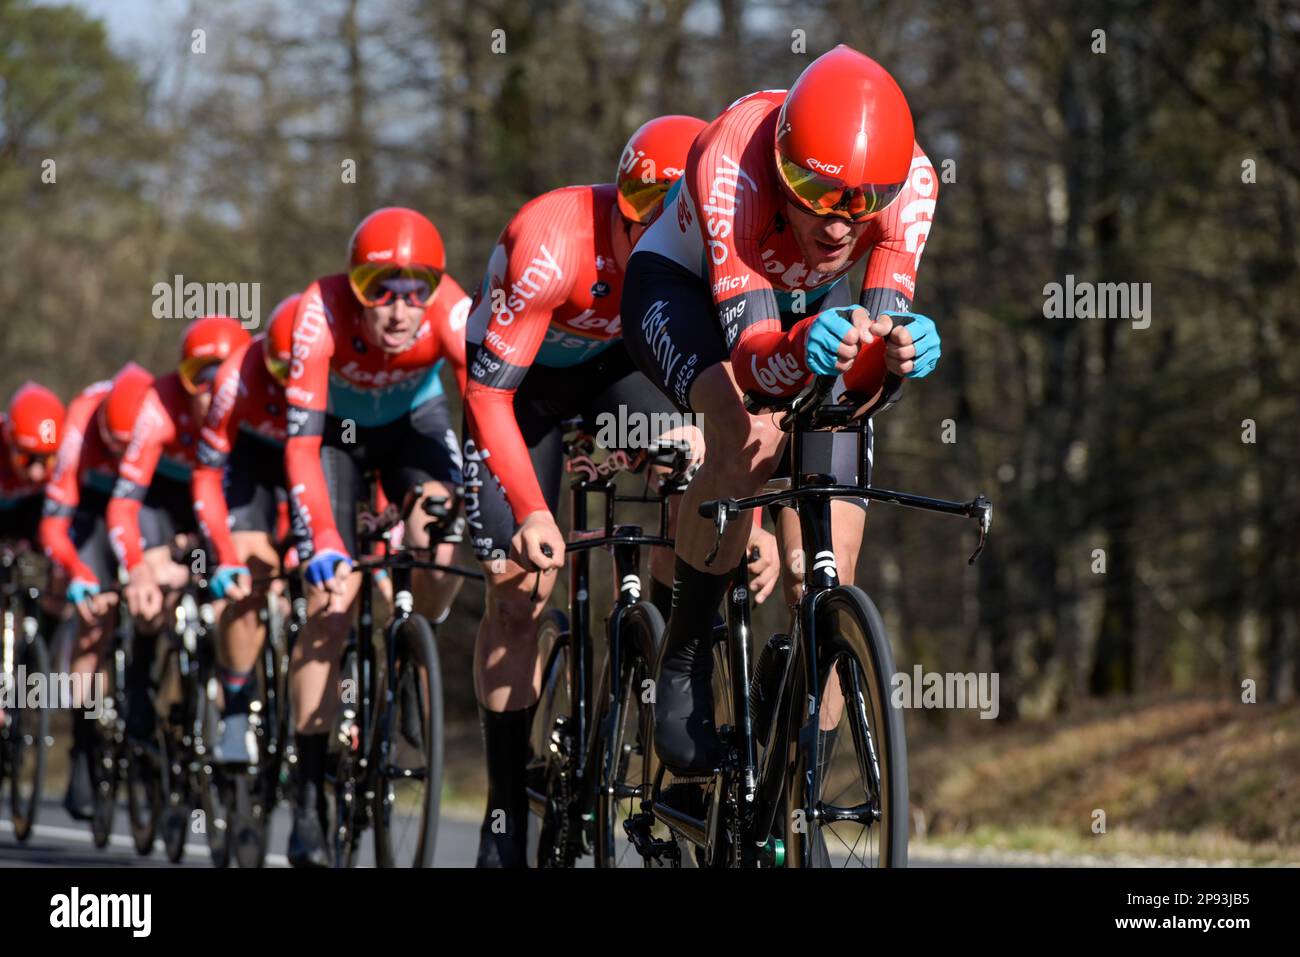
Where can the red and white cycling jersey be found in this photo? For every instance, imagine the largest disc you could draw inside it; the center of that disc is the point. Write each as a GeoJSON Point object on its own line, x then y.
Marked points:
{"type": "Point", "coordinates": [725, 221]}
{"type": "Point", "coordinates": [83, 458]}
{"type": "Point", "coordinates": [550, 297]}
{"type": "Point", "coordinates": [164, 439]}
{"type": "Point", "coordinates": [245, 397]}
{"type": "Point", "coordinates": [335, 370]}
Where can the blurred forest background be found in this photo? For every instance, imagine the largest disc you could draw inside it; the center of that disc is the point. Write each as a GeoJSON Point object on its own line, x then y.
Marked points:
{"type": "Point", "coordinates": [1146, 481]}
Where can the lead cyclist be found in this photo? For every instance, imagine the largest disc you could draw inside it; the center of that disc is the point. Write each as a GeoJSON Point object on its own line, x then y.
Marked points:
{"type": "Point", "coordinates": [744, 279]}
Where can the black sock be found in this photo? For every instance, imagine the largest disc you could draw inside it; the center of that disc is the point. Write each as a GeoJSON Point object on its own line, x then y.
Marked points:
{"type": "Point", "coordinates": [503, 836]}
{"type": "Point", "coordinates": [661, 596]}
{"type": "Point", "coordinates": [237, 688]}
{"type": "Point", "coordinates": [685, 736]}
{"type": "Point", "coordinates": [696, 596]}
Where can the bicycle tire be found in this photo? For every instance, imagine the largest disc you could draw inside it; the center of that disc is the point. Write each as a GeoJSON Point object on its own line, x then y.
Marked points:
{"type": "Point", "coordinates": [175, 819]}
{"type": "Point", "coordinates": [625, 771]}
{"type": "Point", "coordinates": [416, 682]}
{"type": "Point", "coordinates": [851, 639]}
{"type": "Point", "coordinates": [144, 801]}
{"type": "Point", "coordinates": [209, 782]}
{"type": "Point", "coordinates": [345, 823]}
{"type": "Point", "coordinates": [547, 773]}
{"type": "Point", "coordinates": [28, 732]}
{"type": "Point", "coordinates": [104, 760]}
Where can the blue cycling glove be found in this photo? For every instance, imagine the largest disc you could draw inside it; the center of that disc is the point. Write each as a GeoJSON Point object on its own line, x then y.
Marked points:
{"type": "Point", "coordinates": [225, 576]}
{"type": "Point", "coordinates": [323, 565]}
{"type": "Point", "coordinates": [825, 334]}
{"type": "Point", "coordinates": [79, 589]}
{"type": "Point", "coordinates": [925, 337]}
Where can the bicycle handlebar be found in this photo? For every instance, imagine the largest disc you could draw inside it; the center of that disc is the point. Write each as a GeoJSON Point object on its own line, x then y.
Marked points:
{"type": "Point", "coordinates": [723, 510]}
{"type": "Point", "coordinates": [809, 408]}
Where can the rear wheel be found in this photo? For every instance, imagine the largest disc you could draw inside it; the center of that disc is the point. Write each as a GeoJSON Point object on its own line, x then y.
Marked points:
{"type": "Point", "coordinates": [625, 743]}
{"type": "Point", "coordinates": [26, 731]}
{"type": "Point", "coordinates": [409, 761]}
{"type": "Point", "coordinates": [848, 807]}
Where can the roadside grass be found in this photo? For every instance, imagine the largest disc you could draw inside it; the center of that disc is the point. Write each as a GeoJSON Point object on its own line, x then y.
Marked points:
{"type": "Point", "coordinates": [1179, 777]}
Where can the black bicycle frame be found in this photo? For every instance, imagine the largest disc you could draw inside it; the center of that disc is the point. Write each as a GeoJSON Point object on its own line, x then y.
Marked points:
{"type": "Point", "coordinates": [625, 543]}
{"type": "Point", "coordinates": [757, 791]}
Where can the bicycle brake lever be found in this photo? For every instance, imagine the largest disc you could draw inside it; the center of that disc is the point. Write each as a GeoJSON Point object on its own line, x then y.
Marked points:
{"type": "Point", "coordinates": [982, 508]}
{"type": "Point", "coordinates": [537, 582]}
{"type": "Point", "coordinates": [720, 516]}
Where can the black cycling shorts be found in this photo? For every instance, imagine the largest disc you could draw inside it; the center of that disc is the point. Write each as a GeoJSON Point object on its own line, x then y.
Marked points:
{"type": "Point", "coordinates": [167, 511]}
{"type": "Point", "coordinates": [89, 532]}
{"type": "Point", "coordinates": [692, 341]}
{"type": "Point", "coordinates": [255, 484]}
{"type": "Point", "coordinates": [546, 400]}
{"type": "Point", "coordinates": [415, 448]}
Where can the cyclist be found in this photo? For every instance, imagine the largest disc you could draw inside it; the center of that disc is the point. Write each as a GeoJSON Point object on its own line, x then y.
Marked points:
{"type": "Point", "coordinates": [364, 393]}
{"type": "Point", "coordinates": [74, 535]}
{"type": "Point", "coordinates": [29, 436]}
{"type": "Point", "coordinates": [155, 422]}
{"type": "Point", "coordinates": [740, 285]}
{"type": "Point", "coordinates": [242, 441]}
{"type": "Point", "coordinates": [545, 342]}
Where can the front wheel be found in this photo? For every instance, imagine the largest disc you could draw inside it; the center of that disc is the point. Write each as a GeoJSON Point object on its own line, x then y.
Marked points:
{"type": "Point", "coordinates": [846, 794]}
{"type": "Point", "coordinates": [409, 759]}
{"type": "Point", "coordinates": [144, 797]}
{"type": "Point", "coordinates": [625, 745]}
{"type": "Point", "coordinates": [27, 731]}
{"type": "Point", "coordinates": [551, 744]}
{"type": "Point", "coordinates": [104, 767]}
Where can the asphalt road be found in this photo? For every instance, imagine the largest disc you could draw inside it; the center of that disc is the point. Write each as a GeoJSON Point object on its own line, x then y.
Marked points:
{"type": "Point", "coordinates": [59, 841]}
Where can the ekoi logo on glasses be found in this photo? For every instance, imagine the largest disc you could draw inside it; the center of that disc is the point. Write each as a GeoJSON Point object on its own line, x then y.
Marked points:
{"type": "Point", "coordinates": [824, 167]}
{"type": "Point", "coordinates": [77, 910]}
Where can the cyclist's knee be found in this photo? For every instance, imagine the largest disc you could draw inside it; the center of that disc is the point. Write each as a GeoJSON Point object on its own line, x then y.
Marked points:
{"type": "Point", "coordinates": [511, 605]}
{"type": "Point", "coordinates": [744, 450]}
{"type": "Point", "coordinates": [259, 555]}
{"type": "Point", "coordinates": [93, 639]}
{"type": "Point", "coordinates": [326, 626]}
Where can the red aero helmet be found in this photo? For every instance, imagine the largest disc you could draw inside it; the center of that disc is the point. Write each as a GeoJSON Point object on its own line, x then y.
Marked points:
{"type": "Point", "coordinates": [118, 411]}
{"type": "Point", "coordinates": [277, 350]}
{"type": "Point", "coordinates": [394, 252]}
{"type": "Point", "coordinates": [35, 421]}
{"type": "Point", "coordinates": [844, 137]}
{"type": "Point", "coordinates": [653, 159]}
{"type": "Point", "coordinates": [204, 346]}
